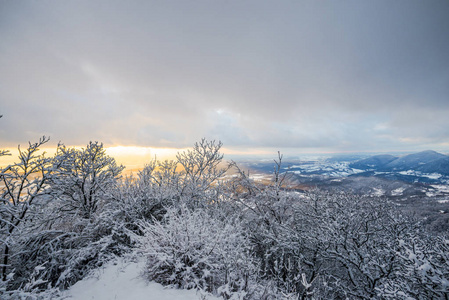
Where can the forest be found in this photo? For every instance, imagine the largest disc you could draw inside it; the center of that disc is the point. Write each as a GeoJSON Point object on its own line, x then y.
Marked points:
{"type": "Point", "coordinates": [202, 223]}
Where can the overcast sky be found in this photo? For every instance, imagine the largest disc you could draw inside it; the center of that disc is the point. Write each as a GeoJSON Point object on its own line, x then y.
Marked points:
{"type": "Point", "coordinates": [288, 75]}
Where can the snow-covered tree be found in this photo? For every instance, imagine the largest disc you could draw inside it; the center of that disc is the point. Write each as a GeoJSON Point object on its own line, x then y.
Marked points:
{"type": "Point", "coordinates": [423, 271]}
{"type": "Point", "coordinates": [322, 244]}
{"type": "Point", "coordinates": [22, 183]}
{"type": "Point", "coordinates": [75, 230]}
{"type": "Point", "coordinates": [84, 178]}
{"type": "Point", "coordinates": [81, 221]}
{"type": "Point", "coordinates": [201, 173]}
{"type": "Point", "coordinates": [362, 236]}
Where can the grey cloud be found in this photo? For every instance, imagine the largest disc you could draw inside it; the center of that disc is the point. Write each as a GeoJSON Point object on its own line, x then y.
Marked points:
{"type": "Point", "coordinates": [289, 74]}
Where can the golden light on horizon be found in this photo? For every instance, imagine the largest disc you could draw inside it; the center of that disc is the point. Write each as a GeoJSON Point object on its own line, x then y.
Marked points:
{"type": "Point", "coordinates": [135, 157]}
{"type": "Point", "coordinates": [132, 157]}
{"type": "Point", "coordinates": [14, 152]}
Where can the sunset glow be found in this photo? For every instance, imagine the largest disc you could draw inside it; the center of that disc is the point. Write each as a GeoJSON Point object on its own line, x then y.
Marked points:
{"type": "Point", "coordinates": [134, 157]}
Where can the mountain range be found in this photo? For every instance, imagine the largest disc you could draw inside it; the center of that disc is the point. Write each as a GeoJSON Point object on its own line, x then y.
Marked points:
{"type": "Point", "coordinates": [426, 162]}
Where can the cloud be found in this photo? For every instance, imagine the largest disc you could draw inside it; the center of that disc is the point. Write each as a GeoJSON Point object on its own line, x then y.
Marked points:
{"type": "Point", "coordinates": [343, 76]}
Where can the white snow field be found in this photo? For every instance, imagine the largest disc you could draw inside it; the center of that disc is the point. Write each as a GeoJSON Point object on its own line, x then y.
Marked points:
{"type": "Point", "coordinates": [123, 280]}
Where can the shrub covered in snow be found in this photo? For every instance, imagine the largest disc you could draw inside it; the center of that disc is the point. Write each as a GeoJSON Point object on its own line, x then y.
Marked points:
{"type": "Point", "coordinates": [146, 196]}
{"type": "Point", "coordinates": [196, 249]}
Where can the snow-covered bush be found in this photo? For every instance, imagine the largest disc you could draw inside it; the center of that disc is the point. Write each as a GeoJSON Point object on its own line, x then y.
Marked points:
{"type": "Point", "coordinates": [193, 179]}
{"type": "Point", "coordinates": [67, 251]}
{"type": "Point", "coordinates": [194, 249]}
{"type": "Point", "coordinates": [147, 195]}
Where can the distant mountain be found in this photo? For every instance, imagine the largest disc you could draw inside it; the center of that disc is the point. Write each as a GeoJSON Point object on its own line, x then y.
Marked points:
{"type": "Point", "coordinates": [373, 162]}
{"type": "Point", "coordinates": [413, 161]}
{"type": "Point", "coordinates": [427, 162]}
{"type": "Point", "coordinates": [440, 166]}
{"type": "Point", "coordinates": [345, 158]}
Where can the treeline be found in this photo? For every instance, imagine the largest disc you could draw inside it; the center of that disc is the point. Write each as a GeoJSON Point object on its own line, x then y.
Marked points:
{"type": "Point", "coordinates": [200, 228]}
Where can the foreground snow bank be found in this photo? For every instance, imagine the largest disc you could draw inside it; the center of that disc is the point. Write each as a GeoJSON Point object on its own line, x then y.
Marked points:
{"type": "Point", "coordinates": [123, 280]}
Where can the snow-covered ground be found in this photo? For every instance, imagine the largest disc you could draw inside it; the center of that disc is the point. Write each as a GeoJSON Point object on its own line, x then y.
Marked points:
{"type": "Point", "coordinates": [123, 279]}
{"type": "Point", "coordinates": [437, 190]}
{"type": "Point", "coordinates": [333, 169]}
{"type": "Point", "coordinates": [260, 177]}
{"type": "Point", "coordinates": [378, 192]}
{"type": "Point", "coordinates": [419, 174]}
{"type": "Point", "coordinates": [398, 191]}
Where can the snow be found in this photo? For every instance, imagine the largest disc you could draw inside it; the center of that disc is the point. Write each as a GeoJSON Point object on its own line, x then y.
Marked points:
{"type": "Point", "coordinates": [123, 280]}
{"type": "Point", "coordinates": [418, 173]}
{"type": "Point", "coordinates": [398, 191]}
{"type": "Point", "coordinates": [337, 180]}
{"type": "Point", "coordinates": [381, 173]}
{"type": "Point", "coordinates": [259, 177]}
{"type": "Point", "coordinates": [433, 175]}
{"type": "Point", "coordinates": [334, 169]}
{"type": "Point", "coordinates": [438, 189]}
{"type": "Point", "coordinates": [441, 188]}
{"type": "Point", "coordinates": [293, 167]}
{"type": "Point", "coordinates": [378, 192]}
{"type": "Point", "coordinates": [408, 172]}
{"type": "Point", "coordinates": [357, 171]}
